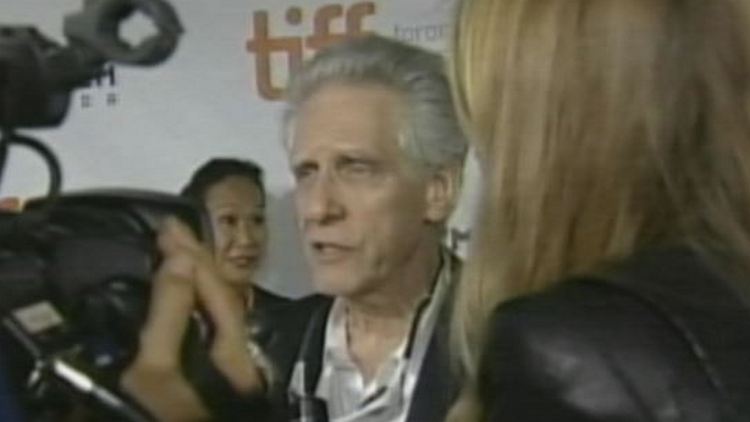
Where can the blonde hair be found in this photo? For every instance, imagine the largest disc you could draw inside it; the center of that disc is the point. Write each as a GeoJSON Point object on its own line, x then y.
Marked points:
{"type": "Point", "coordinates": [602, 127]}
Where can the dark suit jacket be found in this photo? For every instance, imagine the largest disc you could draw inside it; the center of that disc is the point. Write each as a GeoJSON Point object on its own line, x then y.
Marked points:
{"type": "Point", "coordinates": [265, 300]}
{"type": "Point", "coordinates": [662, 338]}
{"type": "Point", "coordinates": [298, 331]}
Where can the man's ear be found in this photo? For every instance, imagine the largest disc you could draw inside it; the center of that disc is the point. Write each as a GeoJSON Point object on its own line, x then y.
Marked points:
{"type": "Point", "coordinates": [442, 191]}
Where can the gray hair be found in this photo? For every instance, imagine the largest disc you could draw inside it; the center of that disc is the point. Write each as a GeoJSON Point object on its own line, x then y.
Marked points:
{"type": "Point", "coordinates": [432, 134]}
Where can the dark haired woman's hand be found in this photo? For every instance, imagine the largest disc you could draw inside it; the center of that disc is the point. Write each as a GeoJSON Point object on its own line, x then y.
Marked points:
{"type": "Point", "coordinates": [155, 376]}
{"type": "Point", "coordinates": [223, 306]}
{"type": "Point", "coordinates": [187, 279]}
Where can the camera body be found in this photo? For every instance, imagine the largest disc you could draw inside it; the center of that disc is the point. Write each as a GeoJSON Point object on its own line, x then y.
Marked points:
{"type": "Point", "coordinates": [74, 284]}
{"type": "Point", "coordinates": [75, 268]}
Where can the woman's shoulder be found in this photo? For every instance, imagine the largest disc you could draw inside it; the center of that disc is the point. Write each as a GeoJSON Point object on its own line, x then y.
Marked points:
{"type": "Point", "coordinates": [575, 309]}
{"type": "Point", "coordinates": [631, 334]}
{"type": "Point", "coordinates": [290, 315]}
{"type": "Point", "coordinates": [665, 289]}
{"type": "Point", "coordinates": [266, 299]}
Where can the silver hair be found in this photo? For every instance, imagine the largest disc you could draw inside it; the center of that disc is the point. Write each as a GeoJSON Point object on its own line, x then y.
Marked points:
{"type": "Point", "coordinates": [431, 135]}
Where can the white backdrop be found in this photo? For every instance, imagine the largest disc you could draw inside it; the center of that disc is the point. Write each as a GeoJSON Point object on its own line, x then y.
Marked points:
{"type": "Point", "coordinates": [149, 128]}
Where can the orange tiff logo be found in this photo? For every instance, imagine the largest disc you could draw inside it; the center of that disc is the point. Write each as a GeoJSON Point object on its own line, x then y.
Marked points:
{"type": "Point", "coordinates": [262, 45]}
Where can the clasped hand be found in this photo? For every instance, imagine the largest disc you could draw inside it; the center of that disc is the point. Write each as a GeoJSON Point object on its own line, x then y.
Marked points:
{"type": "Point", "coordinates": [186, 281]}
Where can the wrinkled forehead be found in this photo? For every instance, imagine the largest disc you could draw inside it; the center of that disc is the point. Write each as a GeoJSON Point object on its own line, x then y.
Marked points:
{"type": "Point", "coordinates": [348, 117]}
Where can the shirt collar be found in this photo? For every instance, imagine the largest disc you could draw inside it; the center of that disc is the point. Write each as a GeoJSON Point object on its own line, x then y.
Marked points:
{"type": "Point", "coordinates": [400, 370]}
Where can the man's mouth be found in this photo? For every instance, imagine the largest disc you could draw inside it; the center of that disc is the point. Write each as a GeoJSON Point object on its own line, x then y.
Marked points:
{"type": "Point", "coordinates": [328, 251]}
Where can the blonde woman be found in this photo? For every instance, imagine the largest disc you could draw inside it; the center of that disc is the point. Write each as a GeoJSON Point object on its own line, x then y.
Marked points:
{"type": "Point", "coordinates": [614, 141]}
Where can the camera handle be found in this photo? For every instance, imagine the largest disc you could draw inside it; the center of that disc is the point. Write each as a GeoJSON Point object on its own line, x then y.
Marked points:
{"type": "Point", "coordinates": [52, 361]}
{"type": "Point", "coordinates": [9, 138]}
{"type": "Point", "coordinates": [59, 369]}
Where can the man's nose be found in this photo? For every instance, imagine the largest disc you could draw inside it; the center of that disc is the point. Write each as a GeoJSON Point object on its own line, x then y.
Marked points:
{"type": "Point", "coordinates": [320, 200]}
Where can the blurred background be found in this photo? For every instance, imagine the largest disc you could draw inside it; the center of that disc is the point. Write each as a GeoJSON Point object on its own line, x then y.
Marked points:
{"type": "Point", "coordinates": [219, 95]}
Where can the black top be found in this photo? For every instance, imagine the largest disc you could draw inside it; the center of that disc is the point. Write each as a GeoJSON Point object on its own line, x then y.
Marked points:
{"type": "Point", "coordinates": [661, 338]}
{"type": "Point", "coordinates": [263, 299]}
{"type": "Point", "coordinates": [212, 387]}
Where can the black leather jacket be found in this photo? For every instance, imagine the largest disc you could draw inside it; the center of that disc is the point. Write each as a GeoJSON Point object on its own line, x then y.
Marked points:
{"type": "Point", "coordinates": [661, 338]}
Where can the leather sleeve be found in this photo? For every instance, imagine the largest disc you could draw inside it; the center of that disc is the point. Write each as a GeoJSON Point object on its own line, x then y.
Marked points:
{"type": "Point", "coordinates": [548, 358]}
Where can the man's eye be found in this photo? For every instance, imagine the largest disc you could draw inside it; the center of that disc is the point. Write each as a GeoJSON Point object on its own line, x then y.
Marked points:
{"type": "Point", "coordinates": [303, 172]}
{"type": "Point", "coordinates": [359, 168]}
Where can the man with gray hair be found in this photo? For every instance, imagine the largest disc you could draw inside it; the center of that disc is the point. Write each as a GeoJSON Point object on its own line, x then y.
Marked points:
{"type": "Point", "coordinates": [376, 150]}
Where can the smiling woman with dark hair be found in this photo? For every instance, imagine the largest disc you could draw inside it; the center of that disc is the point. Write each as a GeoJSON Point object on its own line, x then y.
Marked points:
{"type": "Point", "coordinates": [233, 195]}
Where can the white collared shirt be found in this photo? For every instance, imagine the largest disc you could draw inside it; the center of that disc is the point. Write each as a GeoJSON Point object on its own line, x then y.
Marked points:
{"type": "Point", "coordinates": [387, 396]}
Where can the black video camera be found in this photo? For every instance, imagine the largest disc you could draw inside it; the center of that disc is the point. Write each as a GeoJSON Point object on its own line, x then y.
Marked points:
{"type": "Point", "coordinates": [75, 267]}
{"type": "Point", "coordinates": [74, 288]}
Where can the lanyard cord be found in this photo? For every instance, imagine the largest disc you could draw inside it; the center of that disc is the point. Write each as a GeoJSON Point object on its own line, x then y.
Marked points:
{"type": "Point", "coordinates": [445, 271]}
{"type": "Point", "coordinates": [312, 338]}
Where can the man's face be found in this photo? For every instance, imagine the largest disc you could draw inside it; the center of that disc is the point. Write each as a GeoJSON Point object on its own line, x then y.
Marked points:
{"type": "Point", "coordinates": [361, 208]}
{"type": "Point", "coordinates": [235, 207]}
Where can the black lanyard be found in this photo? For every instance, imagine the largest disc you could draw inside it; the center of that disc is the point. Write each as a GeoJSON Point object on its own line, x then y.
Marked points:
{"type": "Point", "coordinates": [310, 408]}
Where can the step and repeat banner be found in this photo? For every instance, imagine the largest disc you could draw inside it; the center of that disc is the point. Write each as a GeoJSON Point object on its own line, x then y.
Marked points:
{"type": "Point", "coordinates": [218, 95]}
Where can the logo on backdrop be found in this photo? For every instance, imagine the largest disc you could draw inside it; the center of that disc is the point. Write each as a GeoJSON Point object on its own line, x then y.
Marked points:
{"type": "Point", "coordinates": [425, 33]}
{"type": "Point", "coordinates": [263, 45]}
{"type": "Point", "coordinates": [100, 91]}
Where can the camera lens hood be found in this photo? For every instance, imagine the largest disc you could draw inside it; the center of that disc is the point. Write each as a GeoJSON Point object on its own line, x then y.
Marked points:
{"type": "Point", "coordinates": [97, 27]}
